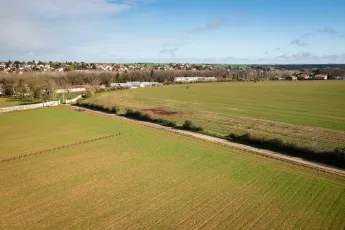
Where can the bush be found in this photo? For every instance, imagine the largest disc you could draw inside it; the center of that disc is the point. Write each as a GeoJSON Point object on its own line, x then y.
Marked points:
{"type": "Point", "coordinates": [129, 111]}
{"type": "Point", "coordinates": [267, 143]}
{"type": "Point", "coordinates": [88, 94]}
{"type": "Point", "coordinates": [134, 114]}
{"type": "Point", "coordinates": [115, 109]}
{"type": "Point", "coordinates": [79, 101]}
{"type": "Point", "coordinates": [96, 107]}
{"type": "Point", "coordinates": [109, 109]}
{"type": "Point", "coordinates": [145, 117]}
{"type": "Point", "coordinates": [138, 115]}
{"type": "Point", "coordinates": [165, 122]}
{"type": "Point", "coordinates": [340, 151]}
{"type": "Point", "coordinates": [188, 125]}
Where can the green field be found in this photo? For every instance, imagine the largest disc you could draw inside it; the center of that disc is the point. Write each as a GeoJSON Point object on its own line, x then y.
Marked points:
{"type": "Point", "coordinates": [8, 102]}
{"type": "Point", "coordinates": [304, 113]}
{"type": "Point", "coordinates": [147, 178]}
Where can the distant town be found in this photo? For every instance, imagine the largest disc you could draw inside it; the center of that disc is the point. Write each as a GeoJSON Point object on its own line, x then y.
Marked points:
{"type": "Point", "coordinates": [168, 73]}
{"type": "Point", "coordinates": [191, 71]}
{"type": "Point", "coordinates": [20, 67]}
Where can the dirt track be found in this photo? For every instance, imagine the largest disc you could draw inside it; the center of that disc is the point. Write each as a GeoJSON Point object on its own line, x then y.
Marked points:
{"type": "Point", "coordinates": [263, 152]}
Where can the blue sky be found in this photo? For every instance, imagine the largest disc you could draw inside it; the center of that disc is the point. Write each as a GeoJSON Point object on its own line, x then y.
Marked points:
{"type": "Point", "coordinates": [204, 31]}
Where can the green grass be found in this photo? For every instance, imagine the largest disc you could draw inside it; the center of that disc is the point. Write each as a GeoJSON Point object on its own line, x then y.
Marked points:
{"type": "Point", "coordinates": [150, 178]}
{"type": "Point", "coordinates": [297, 112]}
{"type": "Point", "coordinates": [8, 102]}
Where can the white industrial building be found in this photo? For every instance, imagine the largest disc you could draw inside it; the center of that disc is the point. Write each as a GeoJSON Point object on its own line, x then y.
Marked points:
{"type": "Point", "coordinates": [194, 79]}
{"type": "Point", "coordinates": [134, 85]}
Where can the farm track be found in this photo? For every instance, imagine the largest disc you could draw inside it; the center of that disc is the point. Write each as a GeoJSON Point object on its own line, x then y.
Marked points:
{"type": "Point", "coordinates": [261, 152]}
{"type": "Point", "coordinates": [57, 148]}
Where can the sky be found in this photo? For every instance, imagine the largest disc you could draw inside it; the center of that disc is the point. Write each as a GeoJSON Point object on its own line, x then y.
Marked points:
{"type": "Point", "coordinates": [161, 31]}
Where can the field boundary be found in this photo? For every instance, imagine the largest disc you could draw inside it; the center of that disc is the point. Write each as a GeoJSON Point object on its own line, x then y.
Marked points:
{"type": "Point", "coordinates": [262, 152]}
{"type": "Point", "coordinates": [30, 106]}
{"type": "Point", "coordinates": [72, 100]}
{"type": "Point", "coordinates": [57, 148]}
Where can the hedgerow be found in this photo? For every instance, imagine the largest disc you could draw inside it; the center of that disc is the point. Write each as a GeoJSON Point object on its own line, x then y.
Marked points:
{"type": "Point", "coordinates": [336, 158]}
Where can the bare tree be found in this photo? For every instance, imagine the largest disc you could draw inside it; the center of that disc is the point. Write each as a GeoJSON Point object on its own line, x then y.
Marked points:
{"type": "Point", "coordinates": [21, 89]}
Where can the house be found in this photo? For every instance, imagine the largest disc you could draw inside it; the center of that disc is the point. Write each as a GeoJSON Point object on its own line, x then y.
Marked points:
{"type": "Point", "coordinates": [320, 77]}
{"type": "Point", "coordinates": [291, 78]}
{"type": "Point", "coordinates": [186, 79]}
{"type": "Point", "coordinates": [303, 76]}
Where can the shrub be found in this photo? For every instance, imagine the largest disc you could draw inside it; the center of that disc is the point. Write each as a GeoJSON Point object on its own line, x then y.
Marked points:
{"type": "Point", "coordinates": [116, 109]}
{"type": "Point", "coordinates": [340, 151]}
{"type": "Point", "coordinates": [109, 109]}
{"type": "Point", "coordinates": [88, 94]}
{"type": "Point", "coordinates": [165, 122]}
{"type": "Point", "coordinates": [79, 101]}
{"type": "Point", "coordinates": [103, 108]}
{"type": "Point", "coordinates": [96, 107]}
{"type": "Point", "coordinates": [188, 125]}
{"type": "Point", "coordinates": [134, 114]}
{"type": "Point", "coordinates": [129, 111]}
{"type": "Point", "coordinates": [145, 117]}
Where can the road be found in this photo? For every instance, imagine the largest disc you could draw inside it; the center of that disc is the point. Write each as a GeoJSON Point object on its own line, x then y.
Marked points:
{"type": "Point", "coordinates": [262, 152]}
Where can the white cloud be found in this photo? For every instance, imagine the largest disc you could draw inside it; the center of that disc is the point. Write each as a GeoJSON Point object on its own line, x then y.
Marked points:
{"type": "Point", "coordinates": [308, 57]}
{"type": "Point", "coordinates": [298, 42]}
{"type": "Point", "coordinates": [288, 58]}
{"type": "Point", "coordinates": [171, 51]}
{"type": "Point", "coordinates": [327, 30]}
{"type": "Point", "coordinates": [49, 26]}
{"type": "Point", "coordinates": [210, 25]}
{"type": "Point", "coordinates": [296, 56]}
{"type": "Point", "coordinates": [60, 9]}
{"type": "Point", "coordinates": [307, 35]}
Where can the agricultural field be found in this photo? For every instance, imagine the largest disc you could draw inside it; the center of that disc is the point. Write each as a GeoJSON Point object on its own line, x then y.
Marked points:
{"type": "Point", "coordinates": [143, 177]}
{"type": "Point", "coordinates": [8, 102]}
{"type": "Point", "coordinates": [309, 113]}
